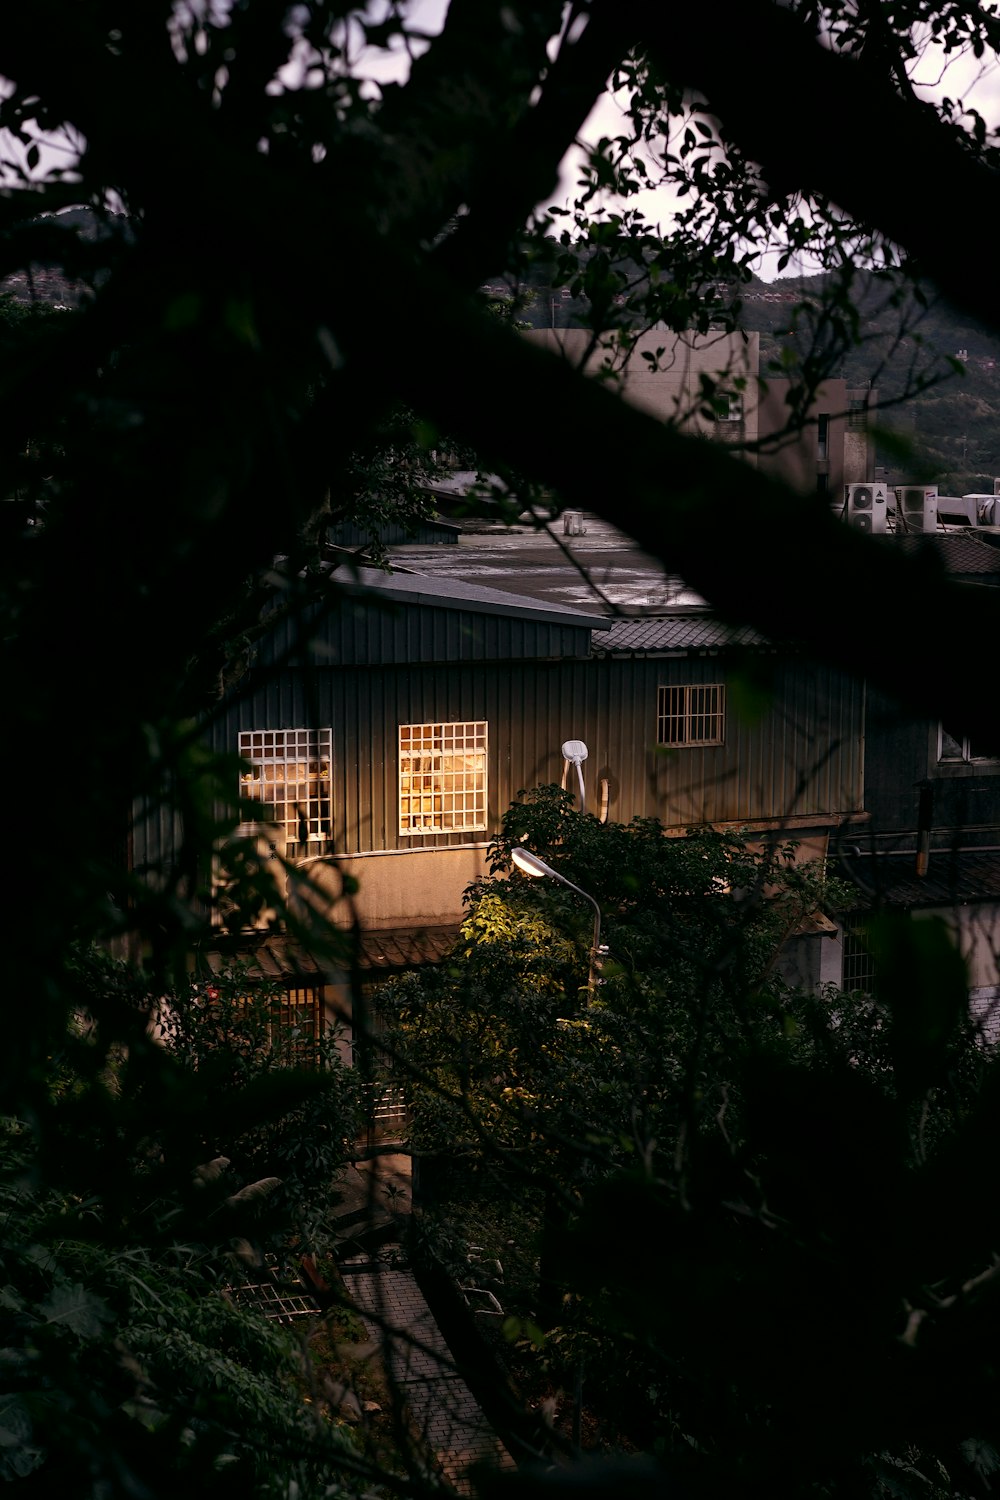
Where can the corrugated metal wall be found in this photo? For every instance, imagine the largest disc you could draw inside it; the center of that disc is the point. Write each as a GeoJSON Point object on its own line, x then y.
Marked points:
{"type": "Point", "coordinates": [802, 755]}
{"type": "Point", "coordinates": [374, 631]}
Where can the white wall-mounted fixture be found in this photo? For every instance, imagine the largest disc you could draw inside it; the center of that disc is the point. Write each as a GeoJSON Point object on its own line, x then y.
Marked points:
{"type": "Point", "coordinates": [575, 753]}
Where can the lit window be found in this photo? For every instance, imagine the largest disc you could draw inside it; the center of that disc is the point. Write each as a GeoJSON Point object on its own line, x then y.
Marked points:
{"type": "Point", "coordinates": [442, 778]}
{"type": "Point", "coordinates": [956, 749]}
{"type": "Point", "coordinates": [289, 776]}
{"type": "Point", "coordinates": [693, 715]}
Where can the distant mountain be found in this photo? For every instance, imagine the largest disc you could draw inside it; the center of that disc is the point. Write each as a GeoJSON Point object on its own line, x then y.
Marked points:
{"type": "Point", "coordinates": [937, 423]}
{"type": "Point", "coordinates": [937, 374]}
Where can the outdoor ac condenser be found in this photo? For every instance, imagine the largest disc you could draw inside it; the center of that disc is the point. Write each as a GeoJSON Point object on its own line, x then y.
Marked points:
{"type": "Point", "coordinates": [916, 507]}
{"type": "Point", "coordinates": [865, 506]}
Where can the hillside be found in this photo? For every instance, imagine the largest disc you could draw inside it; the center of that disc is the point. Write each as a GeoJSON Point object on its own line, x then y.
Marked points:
{"type": "Point", "coordinates": [936, 371]}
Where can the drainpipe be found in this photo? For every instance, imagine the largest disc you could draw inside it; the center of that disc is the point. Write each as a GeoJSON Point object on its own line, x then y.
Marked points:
{"type": "Point", "coordinates": [925, 818]}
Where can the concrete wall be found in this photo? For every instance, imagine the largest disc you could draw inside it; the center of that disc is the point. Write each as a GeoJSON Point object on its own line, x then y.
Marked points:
{"type": "Point", "coordinates": [804, 461]}
{"type": "Point", "coordinates": [406, 888]}
{"type": "Point", "coordinates": [808, 962]}
{"type": "Point", "coordinates": [976, 932]}
{"type": "Point", "coordinates": [667, 385]}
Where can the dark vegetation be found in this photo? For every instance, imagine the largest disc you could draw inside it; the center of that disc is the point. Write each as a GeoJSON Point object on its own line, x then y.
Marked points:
{"type": "Point", "coordinates": [797, 1290]}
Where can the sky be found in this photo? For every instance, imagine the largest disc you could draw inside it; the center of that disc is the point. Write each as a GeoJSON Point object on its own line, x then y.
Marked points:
{"type": "Point", "coordinates": [936, 76]}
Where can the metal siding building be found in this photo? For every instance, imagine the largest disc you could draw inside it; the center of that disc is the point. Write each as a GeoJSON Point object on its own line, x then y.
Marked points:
{"type": "Point", "coordinates": [424, 652]}
{"type": "Point", "coordinates": [800, 757]}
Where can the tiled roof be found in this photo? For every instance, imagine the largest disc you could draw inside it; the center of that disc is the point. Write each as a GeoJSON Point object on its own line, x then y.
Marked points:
{"type": "Point", "coordinates": [952, 879]}
{"type": "Point", "coordinates": [276, 956]}
{"type": "Point", "coordinates": [681, 632]}
{"type": "Point", "coordinates": [961, 552]}
{"type": "Point", "coordinates": [406, 949]}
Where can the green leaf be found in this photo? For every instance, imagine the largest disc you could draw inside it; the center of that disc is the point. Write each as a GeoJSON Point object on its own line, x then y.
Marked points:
{"type": "Point", "coordinates": [73, 1307]}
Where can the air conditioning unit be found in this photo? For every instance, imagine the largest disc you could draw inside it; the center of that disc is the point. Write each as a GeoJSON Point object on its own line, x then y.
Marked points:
{"type": "Point", "coordinates": [957, 510]}
{"type": "Point", "coordinates": [987, 508]}
{"type": "Point", "coordinates": [573, 523]}
{"type": "Point", "coordinates": [865, 506]}
{"type": "Point", "coordinates": [916, 507]}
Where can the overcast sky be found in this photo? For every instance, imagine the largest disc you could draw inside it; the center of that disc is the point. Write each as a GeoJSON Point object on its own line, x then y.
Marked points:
{"type": "Point", "coordinates": [978, 82]}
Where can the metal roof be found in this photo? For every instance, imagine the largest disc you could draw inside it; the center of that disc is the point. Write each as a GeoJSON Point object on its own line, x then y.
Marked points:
{"type": "Point", "coordinates": [952, 879]}
{"type": "Point", "coordinates": [440, 592]}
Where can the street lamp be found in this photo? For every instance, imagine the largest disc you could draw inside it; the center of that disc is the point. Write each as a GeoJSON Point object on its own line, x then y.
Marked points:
{"type": "Point", "coordinates": [530, 864]}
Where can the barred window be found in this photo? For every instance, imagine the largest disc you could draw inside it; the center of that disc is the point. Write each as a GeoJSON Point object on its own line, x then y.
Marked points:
{"type": "Point", "coordinates": [290, 778]}
{"type": "Point", "coordinates": [290, 1022]}
{"type": "Point", "coordinates": [442, 777]}
{"type": "Point", "coordinates": [692, 715]}
{"type": "Point", "coordinates": [298, 1015]}
{"type": "Point", "coordinates": [859, 966]}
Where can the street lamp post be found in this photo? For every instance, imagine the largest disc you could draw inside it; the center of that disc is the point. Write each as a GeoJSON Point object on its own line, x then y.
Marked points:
{"type": "Point", "coordinates": [530, 864]}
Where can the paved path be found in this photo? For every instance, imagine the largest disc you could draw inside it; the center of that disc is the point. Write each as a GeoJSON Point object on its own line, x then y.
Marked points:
{"type": "Point", "coordinates": [439, 1403]}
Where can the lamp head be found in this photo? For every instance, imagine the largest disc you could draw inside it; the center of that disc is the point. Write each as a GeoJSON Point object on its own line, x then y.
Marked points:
{"type": "Point", "coordinates": [530, 864]}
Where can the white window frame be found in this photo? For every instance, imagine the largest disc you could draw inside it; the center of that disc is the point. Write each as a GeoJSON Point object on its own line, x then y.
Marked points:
{"type": "Point", "coordinates": [285, 759]}
{"type": "Point", "coordinates": [443, 777]}
{"type": "Point", "coordinates": [689, 715]}
{"type": "Point", "coordinates": [966, 758]}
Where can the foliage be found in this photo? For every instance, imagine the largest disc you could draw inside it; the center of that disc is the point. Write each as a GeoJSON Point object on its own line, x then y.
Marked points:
{"type": "Point", "coordinates": [183, 1136]}
{"type": "Point", "coordinates": [738, 1188]}
{"type": "Point", "coordinates": [119, 1360]}
{"type": "Point", "coordinates": [507, 1049]}
{"type": "Point", "coordinates": [193, 419]}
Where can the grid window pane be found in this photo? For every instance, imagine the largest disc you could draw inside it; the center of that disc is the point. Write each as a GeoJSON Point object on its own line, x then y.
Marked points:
{"type": "Point", "coordinates": [859, 966]}
{"type": "Point", "coordinates": [442, 777]}
{"type": "Point", "coordinates": [290, 778]}
{"type": "Point", "coordinates": [691, 715]}
{"type": "Point", "coordinates": [294, 1024]}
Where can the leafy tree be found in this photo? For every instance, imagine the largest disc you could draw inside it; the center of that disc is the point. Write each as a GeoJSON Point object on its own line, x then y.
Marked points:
{"type": "Point", "coordinates": [732, 1184]}
{"type": "Point", "coordinates": [168, 1162]}
{"type": "Point", "coordinates": [292, 266]}
{"type": "Point", "coordinates": [505, 1034]}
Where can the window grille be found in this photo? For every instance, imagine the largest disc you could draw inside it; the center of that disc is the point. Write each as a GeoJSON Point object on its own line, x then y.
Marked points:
{"type": "Point", "coordinates": [290, 779]}
{"type": "Point", "coordinates": [292, 1022]}
{"type": "Point", "coordinates": [442, 777]}
{"type": "Point", "coordinates": [692, 715]}
{"type": "Point", "coordinates": [299, 1012]}
{"type": "Point", "coordinates": [859, 966]}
